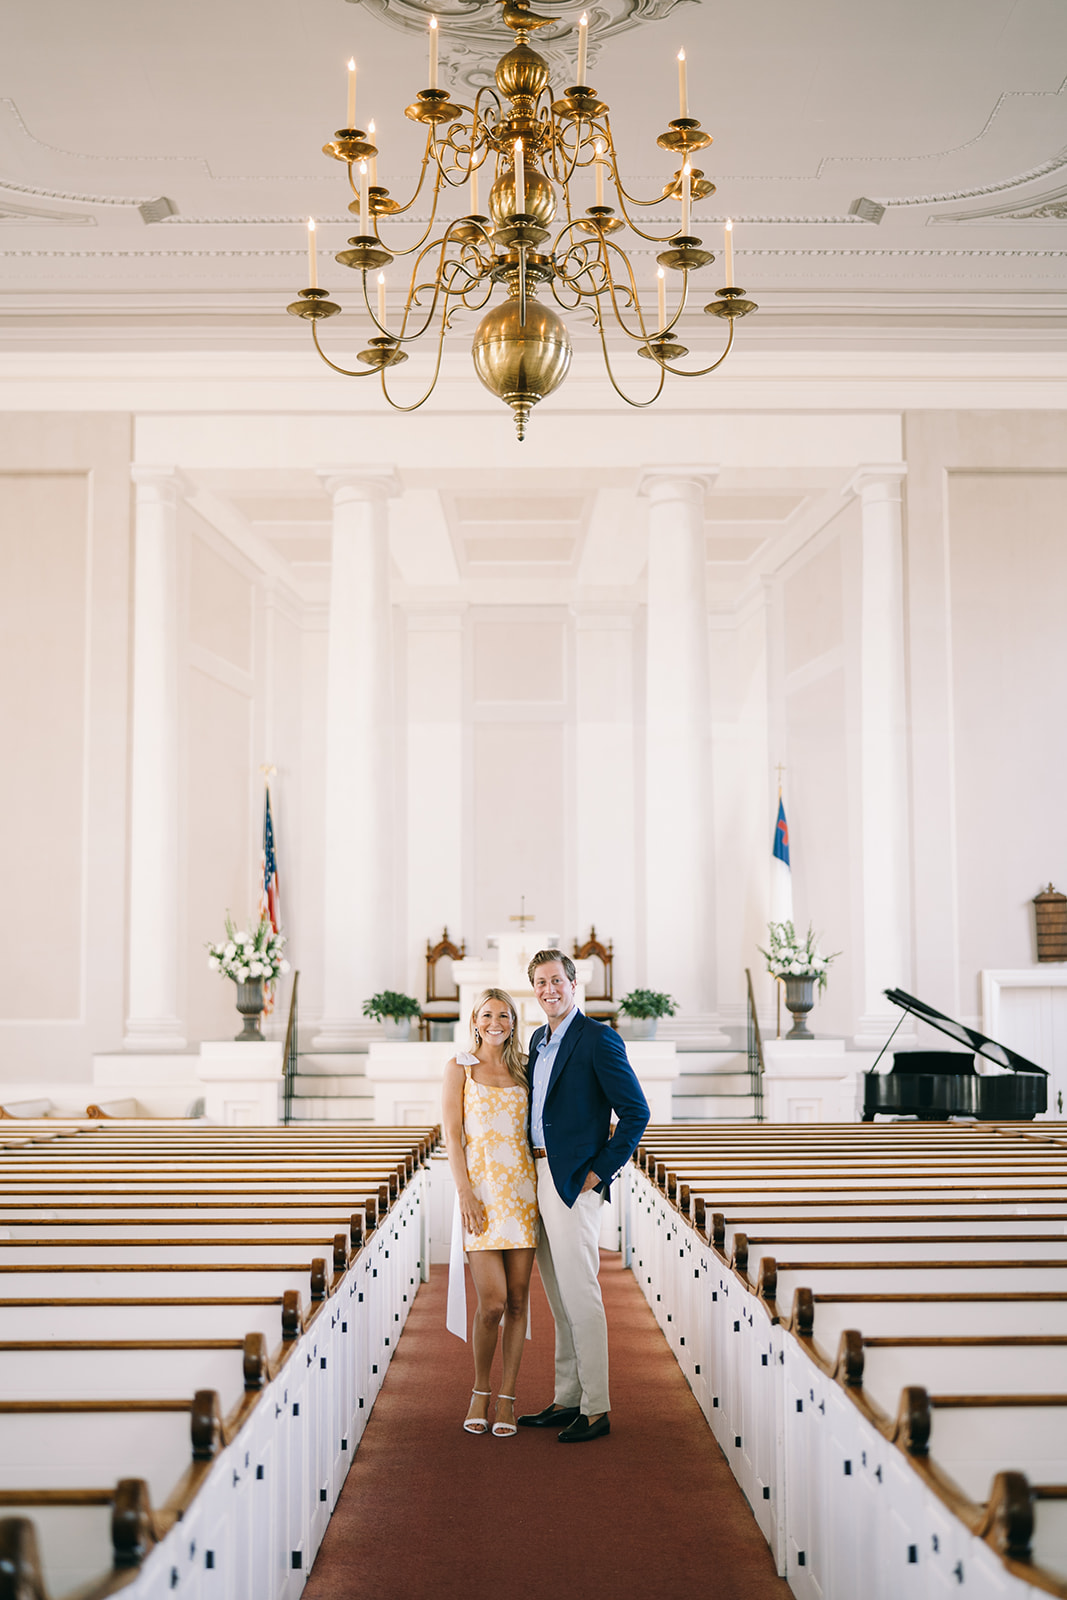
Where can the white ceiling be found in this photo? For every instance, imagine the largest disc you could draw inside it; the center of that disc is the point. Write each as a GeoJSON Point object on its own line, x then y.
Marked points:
{"type": "Point", "coordinates": [951, 115]}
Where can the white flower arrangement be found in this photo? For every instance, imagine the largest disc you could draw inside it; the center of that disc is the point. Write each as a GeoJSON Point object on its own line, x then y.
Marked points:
{"type": "Point", "coordinates": [792, 957]}
{"type": "Point", "coordinates": [244, 956]}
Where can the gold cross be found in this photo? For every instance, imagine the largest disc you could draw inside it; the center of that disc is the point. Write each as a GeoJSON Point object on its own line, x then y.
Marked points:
{"type": "Point", "coordinates": [523, 916]}
{"type": "Point", "coordinates": [268, 771]}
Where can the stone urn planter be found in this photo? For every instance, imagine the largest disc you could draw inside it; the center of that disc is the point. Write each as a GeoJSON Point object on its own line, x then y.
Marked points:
{"type": "Point", "coordinates": [250, 1006]}
{"type": "Point", "coordinates": [397, 1029]}
{"type": "Point", "coordinates": [800, 997]}
{"type": "Point", "coordinates": [642, 1027]}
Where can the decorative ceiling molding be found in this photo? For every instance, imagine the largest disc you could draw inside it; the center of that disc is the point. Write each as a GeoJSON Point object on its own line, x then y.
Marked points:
{"type": "Point", "coordinates": [82, 155]}
{"type": "Point", "coordinates": [1051, 206]}
{"type": "Point", "coordinates": [954, 150]}
{"type": "Point", "coordinates": [470, 27]}
{"type": "Point", "coordinates": [150, 210]}
{"type": "Point", "coordinates": [15, 212]}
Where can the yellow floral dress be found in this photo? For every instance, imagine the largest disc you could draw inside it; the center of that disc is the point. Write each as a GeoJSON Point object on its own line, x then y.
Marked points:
{"type": "Point", "coordinates": [499, 1163]}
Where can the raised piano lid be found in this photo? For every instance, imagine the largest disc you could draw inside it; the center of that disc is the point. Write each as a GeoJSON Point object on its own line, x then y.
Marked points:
{"type": "Point", "coordinates": [966, 1036]}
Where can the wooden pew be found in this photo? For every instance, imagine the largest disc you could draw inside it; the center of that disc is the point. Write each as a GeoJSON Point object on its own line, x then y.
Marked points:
{"type": "Point", "coordinates": [758, 1372]}
{"type": "Point", "coordinates": [323, 1366]}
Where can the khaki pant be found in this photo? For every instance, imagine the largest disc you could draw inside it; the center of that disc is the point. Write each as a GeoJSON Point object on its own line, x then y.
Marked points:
{"type": "Point", "coordinates": [568, 1259]}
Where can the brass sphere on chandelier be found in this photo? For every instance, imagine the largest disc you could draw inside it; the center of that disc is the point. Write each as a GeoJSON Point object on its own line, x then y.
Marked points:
{"type": "Point", "coordinates": [521, 362]}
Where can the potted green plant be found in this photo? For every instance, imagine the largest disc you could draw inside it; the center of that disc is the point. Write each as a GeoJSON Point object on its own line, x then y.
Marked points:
{"type": "Point", "coordinates": [644, 1007]}
{"type": "Point", "coordinates": [394, 1011]}
{"type": "Point", "coordinates": [251, 961]}
{"type": "Point", "coordinates": [800, 964]}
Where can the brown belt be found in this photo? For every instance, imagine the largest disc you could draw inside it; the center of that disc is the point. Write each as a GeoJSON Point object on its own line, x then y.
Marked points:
{"type": "Point", "coordinates": [540, 1155]}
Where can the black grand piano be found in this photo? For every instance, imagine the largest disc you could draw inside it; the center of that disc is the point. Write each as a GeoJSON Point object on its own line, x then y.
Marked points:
{"type": "Point", "coordinates": [935, 1084]}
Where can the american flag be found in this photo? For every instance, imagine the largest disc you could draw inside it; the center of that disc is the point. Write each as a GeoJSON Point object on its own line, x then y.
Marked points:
{"type": "Point", "coordinates": [269, 901]}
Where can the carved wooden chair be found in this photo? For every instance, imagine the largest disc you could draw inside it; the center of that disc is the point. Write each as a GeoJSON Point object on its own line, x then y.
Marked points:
{"type": "Point", "coordinates": [600, 1003]}
{"type": "Point", "coordinates": [442, 991]}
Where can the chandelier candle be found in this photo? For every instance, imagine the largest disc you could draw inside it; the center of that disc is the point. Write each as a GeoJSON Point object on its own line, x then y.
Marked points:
{"type": "Point", "coordinates": [527, 255]}
{"type": "Point", "coordinates": [728, 252]}
{"type": "Point", "coordinates": [520, 178]}
{"type": "Point", "coordinates": [313, 281]}
{"type": "Point", "coordinates": [350, 119]}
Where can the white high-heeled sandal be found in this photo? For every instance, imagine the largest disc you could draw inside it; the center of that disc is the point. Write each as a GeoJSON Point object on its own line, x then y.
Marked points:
{"type": "Point", "coordinates": [477, 1424]}
{"type": "Point", "coordinates": [504, 1430]}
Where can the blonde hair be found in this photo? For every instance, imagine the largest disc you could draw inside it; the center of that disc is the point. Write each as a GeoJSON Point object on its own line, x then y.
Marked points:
{"type": "Point", "coordinates": [514, 1059]}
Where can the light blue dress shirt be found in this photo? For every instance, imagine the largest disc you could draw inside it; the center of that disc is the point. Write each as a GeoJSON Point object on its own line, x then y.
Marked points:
{"type": "Point", "coordinates": [542, 1071]}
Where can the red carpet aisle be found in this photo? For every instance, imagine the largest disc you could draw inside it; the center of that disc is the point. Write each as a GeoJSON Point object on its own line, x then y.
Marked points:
{"type": "Point", "coordinates": [429, 1511]}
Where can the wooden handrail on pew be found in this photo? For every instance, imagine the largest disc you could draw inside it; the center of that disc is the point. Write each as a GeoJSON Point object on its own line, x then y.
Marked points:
{"type": "Point", "coordinates": [135, 1526]}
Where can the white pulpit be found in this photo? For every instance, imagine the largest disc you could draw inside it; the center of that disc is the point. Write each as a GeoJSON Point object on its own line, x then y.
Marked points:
{"type": "Point", "coordinates": [813, 1080]}
{"type": "Point", "coordinates": [505, 968]}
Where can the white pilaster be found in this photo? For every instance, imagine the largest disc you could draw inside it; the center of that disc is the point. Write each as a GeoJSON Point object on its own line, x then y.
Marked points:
{"type": "Point", "coordinates": [679, 824]}
{"type": "Point", "coordinates": [361, 838]}
{"type": "Point", "coordinates": [153, 1021]}
{"type": "Point", "coordinates": [886, 878]}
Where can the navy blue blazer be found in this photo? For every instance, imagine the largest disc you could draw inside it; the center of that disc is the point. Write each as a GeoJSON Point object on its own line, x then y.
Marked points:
{"type": "Point", "coordinates": [591, 1077]}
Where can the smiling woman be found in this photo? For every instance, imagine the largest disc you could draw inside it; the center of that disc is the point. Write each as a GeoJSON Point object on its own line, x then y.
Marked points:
{"type": "Point", "coordinates": [485, 1114]}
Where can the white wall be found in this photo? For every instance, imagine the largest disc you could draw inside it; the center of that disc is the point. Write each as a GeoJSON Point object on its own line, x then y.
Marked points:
{"type": "Point", "coordinates": [64, 638]}
{"type": "Point", "coordinates": [521, 769]}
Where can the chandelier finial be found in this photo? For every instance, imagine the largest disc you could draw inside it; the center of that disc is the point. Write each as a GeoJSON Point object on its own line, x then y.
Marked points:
{"type": "Point", "coordinates": [517, 15]}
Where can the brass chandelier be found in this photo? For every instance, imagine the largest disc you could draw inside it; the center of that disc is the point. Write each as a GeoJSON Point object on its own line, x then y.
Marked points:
{"type": "Point", "coordinates": [537, 144]}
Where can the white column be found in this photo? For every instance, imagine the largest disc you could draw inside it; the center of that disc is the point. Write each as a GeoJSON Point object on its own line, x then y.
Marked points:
{"type": "Point", "coordinates": [886, 877]}
{"type": "Point", "coordinates": [361, 837]}
{"type": "Point", "coordinates": [153, 1022]}
{"type": "Point", "coordinates": [679, 824]}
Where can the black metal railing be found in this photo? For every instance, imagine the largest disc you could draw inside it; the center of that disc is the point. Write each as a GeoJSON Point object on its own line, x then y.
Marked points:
{"type": "Point", "coordinates": [755, 1051]}
{"type": "Point", "coordinates": [290, 1054]}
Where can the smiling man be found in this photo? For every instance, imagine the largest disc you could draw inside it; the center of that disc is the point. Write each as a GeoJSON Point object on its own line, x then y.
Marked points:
{"type": "Point", "coordinates": [579, 1075]}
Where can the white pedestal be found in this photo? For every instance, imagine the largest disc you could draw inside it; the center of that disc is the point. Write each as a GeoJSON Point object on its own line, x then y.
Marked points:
{"type": "Point", "coordinates": [242, 1082]}
{"type": "Point", "coordinates": [407, 1079]}
{"type": "Point", "coordinates": [655, 1062]}
{"type": "Point", "coordinates": [816, 1081]}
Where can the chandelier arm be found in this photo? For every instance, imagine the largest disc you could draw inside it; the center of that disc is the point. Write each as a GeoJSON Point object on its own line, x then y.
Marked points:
{"type": "Point", "coordinates": [441, 246]}
{"type": "Point", "coordinates": [400, 209]}
{"type": "Point", "coordinates": [643, 336]}
{"type": "Point", "coordinates": [410, 250]}
{"type": "Point", "coordinates": [679, 372]}
{"type": "Point", "coordinates": [638, 405]}
{"type": "Point", "coordinates": [437, 147]}
{"type": "Point", "coordinates": [652, 238]}
{"type": "Point", "coordinates": [346, 372]}
{"type": "Point", "coordinates": [563, 171]}
{"type": "Point", "coordinates": [414, 406]}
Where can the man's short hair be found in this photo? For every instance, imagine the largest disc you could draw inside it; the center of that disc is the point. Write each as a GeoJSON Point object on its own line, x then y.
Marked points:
{"type": "Point", "coordinates": [543, 957]}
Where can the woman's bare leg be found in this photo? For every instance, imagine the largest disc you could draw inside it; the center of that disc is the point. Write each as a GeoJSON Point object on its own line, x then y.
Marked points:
{"type": "Point", "coordinates": [517, 1268]}
{"type": "Point", "coordinates": [490, 1282]}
